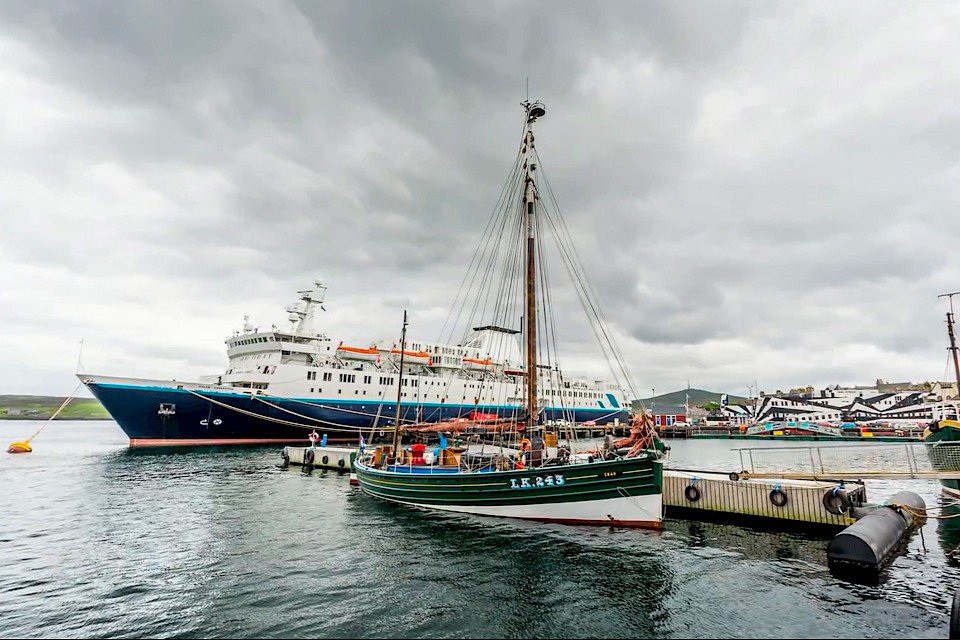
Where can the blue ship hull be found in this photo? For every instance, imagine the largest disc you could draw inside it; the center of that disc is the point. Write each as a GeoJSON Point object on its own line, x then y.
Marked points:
{"type": "Point", "coordinates": [165, 416]}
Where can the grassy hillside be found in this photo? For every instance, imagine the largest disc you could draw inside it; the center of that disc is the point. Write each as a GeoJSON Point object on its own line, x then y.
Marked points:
{"type": "Point", "coordinates": [698, 397]}
{"type": "Point", "coordinates": [42, 407]}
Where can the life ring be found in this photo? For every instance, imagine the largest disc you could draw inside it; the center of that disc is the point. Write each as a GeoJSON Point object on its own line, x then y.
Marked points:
{"type": "Point", "coordinates": [308, 456]}
{"type": "Point", "coordinates": [325, 459]}
{"type": "Point", "coordinates": [692, 493]}
{"type": "Point", "coordinates": [341, 463]}
{"type": "Point", "coordinates": [525, 443]}
{"type": "Point", "coordinates": [836, 501]}
{"type": "Point", "coordinates": [734, 476]}
{"type": "Point", "coordinates": [778, 498]}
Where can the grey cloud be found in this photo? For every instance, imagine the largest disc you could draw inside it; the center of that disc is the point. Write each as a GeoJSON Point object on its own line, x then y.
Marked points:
{"type": "Point", "coordinates": [733, 173]}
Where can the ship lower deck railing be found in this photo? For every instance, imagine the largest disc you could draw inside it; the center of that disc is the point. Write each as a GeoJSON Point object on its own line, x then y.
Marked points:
{"type": "Point", "coordinates": [938, 460]}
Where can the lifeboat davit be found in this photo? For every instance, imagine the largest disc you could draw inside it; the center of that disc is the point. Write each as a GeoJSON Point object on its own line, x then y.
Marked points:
{"type": "Point", "coordinates": [370, 354]}
{"type": "Point", "coordinates": [477, 364]}
{"type": "Point", "coordinates": [412, 357]}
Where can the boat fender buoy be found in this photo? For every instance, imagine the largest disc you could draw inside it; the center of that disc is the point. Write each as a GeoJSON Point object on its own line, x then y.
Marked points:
{"type": "Point", "coordinates": [381, 434]}
{"type": "Point", "coordinates": [836, 501]}
{"type": "Point", "coordinates": [325, 459]}
{"type": "Point", "coordinates": [692, 493]}
{"type": "Point", "coordinates": [734, 476]}
{"type": "Point", "coordinates": [285, 454]}
{"type": "Point", "coordinates": [308, 456]}
{"type": "Point", "coordinates": [20, 446]}
{"type": "Point", "coordinates": [778, 497]}
{"type": "Point", "coordinates": [341, 463]}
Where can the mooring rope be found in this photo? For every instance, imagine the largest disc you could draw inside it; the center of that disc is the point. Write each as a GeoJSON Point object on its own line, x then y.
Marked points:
{"type": "Point", "coordinates": [361, 413]}
{"type": "Point", "coordinates": [345, 428]}
{"type": "Point", "coordinates": [300, 415]}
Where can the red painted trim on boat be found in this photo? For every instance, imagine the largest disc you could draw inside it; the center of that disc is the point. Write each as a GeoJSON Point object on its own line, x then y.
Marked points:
{"type": "Point", "coordinates": [192, 442]}
{"type": "Point", "coordinates": [636, 524]}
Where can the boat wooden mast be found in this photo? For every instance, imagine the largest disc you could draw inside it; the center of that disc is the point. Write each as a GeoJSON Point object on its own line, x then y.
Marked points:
{"type": "Point", "coordinates": [534, 111]}
{"type": "Point", "coordinates": [396, 423]}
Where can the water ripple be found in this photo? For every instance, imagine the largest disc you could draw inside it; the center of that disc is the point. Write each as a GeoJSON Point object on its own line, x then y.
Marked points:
{"type": "Point", "coordinates": [102, 541]}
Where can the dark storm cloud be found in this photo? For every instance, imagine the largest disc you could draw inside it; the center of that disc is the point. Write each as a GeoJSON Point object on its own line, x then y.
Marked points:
{"type": "Point", "coordinates": [748, 184]}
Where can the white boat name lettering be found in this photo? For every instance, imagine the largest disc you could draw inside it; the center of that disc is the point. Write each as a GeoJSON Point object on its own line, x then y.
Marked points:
{"type": "Point", "coordinates": [555, 480]}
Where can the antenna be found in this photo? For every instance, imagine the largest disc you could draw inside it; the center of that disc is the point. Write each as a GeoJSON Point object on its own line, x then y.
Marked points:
{"type": "Point", "coordinates": [528, 88]}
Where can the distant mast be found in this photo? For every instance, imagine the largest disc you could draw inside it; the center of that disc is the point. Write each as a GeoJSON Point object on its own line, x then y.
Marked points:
{"type": "Point", "coordinates": [534, 110]}
{"type": "Point", "coordinates": [953, 340]}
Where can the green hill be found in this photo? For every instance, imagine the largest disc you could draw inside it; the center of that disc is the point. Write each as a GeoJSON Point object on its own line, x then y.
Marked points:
{"type": "Point", "coordinates": [42, 407]}
{"type": "Point", "coordinates": [697, 397]}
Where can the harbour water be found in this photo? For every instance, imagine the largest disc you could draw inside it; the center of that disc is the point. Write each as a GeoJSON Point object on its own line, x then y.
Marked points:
{"type": "Point", "coordinates": [102, 541]}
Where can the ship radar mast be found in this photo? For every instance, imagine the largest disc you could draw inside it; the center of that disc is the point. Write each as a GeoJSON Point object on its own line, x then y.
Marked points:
{"type": "Point", "coordinates": [300, 313]}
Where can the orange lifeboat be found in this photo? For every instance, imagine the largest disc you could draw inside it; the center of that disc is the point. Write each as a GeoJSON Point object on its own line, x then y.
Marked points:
{"type": "Point", "coordinates": [370, 354]}
{"type": "Point", "coordinates": [412, 357]}
{"type": "Point", "coordinates": [477, 364]}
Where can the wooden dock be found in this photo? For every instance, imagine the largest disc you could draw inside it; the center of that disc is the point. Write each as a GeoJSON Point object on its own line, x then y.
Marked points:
{"type": "Point", "coordinates": [795, 504]}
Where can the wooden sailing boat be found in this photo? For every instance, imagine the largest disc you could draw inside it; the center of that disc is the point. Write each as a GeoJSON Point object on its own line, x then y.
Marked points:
{"type": "Point", "coordinates": [943, 434]}
{"type": "Point", "coordinates": [620, 485]}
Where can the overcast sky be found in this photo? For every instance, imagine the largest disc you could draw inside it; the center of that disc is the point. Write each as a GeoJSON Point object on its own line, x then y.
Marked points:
{"type": "Point", "coordinates": [759, 191]}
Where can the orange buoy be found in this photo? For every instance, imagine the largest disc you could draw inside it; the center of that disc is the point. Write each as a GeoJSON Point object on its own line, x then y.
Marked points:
{"type": "Point", "coordinates": [21, 446]}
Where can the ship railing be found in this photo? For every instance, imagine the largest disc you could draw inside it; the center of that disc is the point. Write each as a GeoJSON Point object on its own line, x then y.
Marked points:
{"type": "Point", "coordinates": [937, 460]}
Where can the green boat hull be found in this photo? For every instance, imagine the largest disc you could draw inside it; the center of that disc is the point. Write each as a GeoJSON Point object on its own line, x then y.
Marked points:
{"type": "Point", "coordinates": [946, 431]}
{"type": "Point", "coordinates": [623, 492]}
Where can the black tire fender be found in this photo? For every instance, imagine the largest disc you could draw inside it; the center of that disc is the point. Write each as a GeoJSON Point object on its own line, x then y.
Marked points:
{"type": "Point", "coordinates": [778, 498]}
{"type": "Point", "coordinates": [836, 501]}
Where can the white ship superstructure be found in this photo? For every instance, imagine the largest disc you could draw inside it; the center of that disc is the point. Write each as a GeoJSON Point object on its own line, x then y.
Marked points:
{"type": "Point", "coordinates": [309, 364]}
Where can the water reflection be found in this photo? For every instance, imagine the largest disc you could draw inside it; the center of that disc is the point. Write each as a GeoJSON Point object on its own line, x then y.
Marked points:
{"type": "Point", "coordinates": [112, 542]}
{"type": "Point", "coordinates": [533, 580]}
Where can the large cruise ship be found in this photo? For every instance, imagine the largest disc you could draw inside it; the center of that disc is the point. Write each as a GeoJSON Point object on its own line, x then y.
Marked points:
{"type": "Point", "coordinates": [279, 386]}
